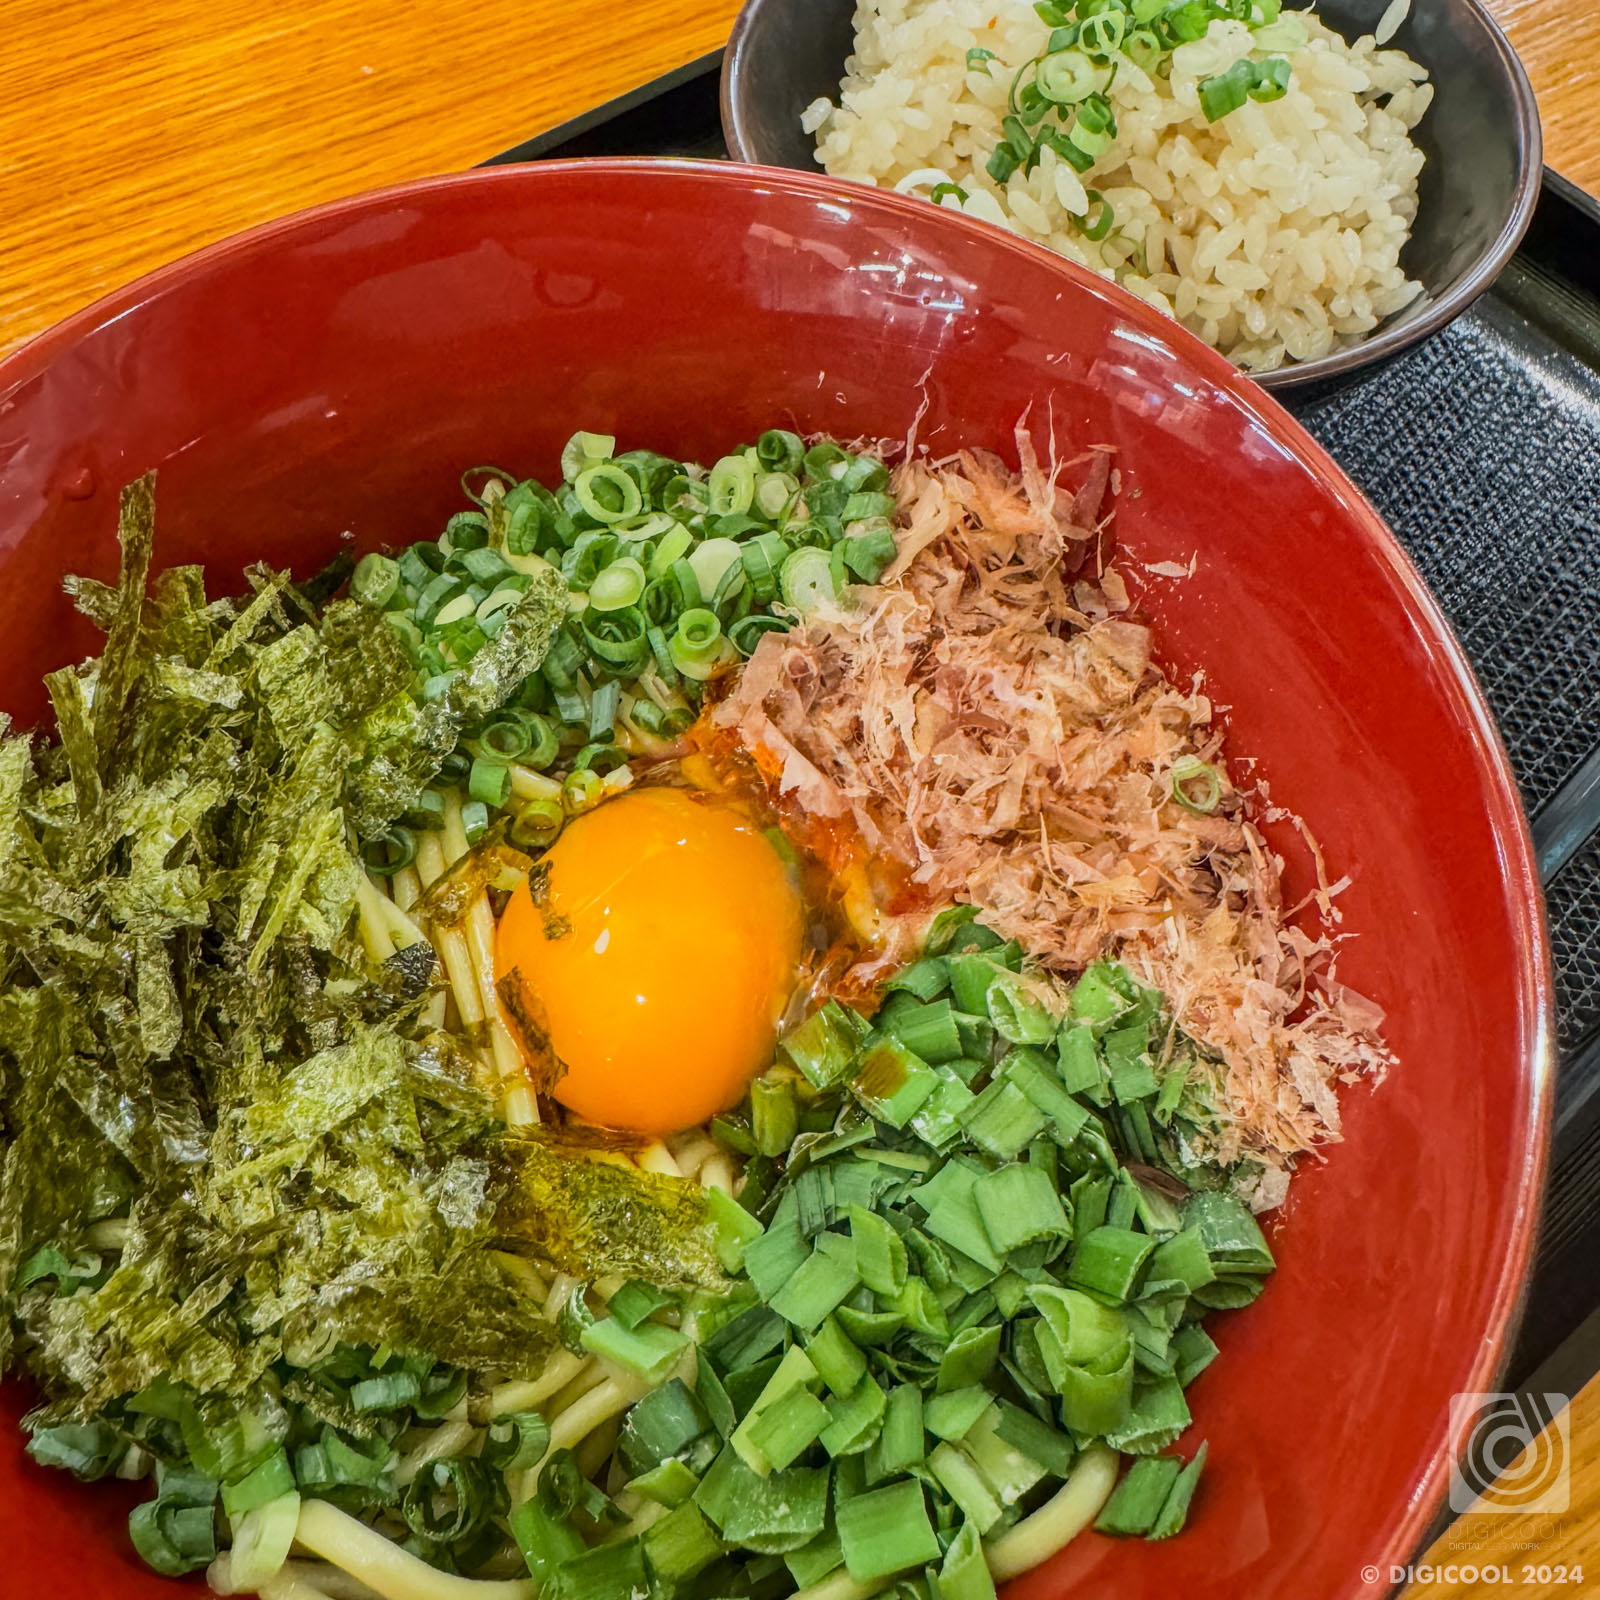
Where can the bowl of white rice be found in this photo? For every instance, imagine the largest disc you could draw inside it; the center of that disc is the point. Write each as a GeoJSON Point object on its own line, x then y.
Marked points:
{"type": "Point", "coordinates": [1308, 191]}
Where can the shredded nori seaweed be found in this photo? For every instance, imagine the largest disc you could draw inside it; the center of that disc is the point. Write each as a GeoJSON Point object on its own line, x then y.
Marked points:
{"type": "Point", "coordinates": [191, 1036]}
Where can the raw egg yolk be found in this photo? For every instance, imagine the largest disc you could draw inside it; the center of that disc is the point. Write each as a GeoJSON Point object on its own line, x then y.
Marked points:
{"type": "Point", "coordinates": [658, 957]}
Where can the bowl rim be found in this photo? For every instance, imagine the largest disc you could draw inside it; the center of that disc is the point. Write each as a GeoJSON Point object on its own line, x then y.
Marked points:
{"type": "Point", "coordinates": [1534, 979]}
{"type": "Point", "coordinates": [1388, 340]}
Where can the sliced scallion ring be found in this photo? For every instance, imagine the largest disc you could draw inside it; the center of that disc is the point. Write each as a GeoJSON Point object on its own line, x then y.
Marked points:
{"type": "Point", "coordinates": [617, 585]}
{"type": "Point", "coordinates": [698, 633]}
{"type": "Point", "coordinates": [733, 485]}
{"type": "Point", "coordinates": [673, 546]}
{"type": "Point", "coordinates": [608, 493]}
{"type": "Point", "coordinates": [806, 579]}
{"type": "Point", "coordinates": [710, 560]}
{"type": "Point", "coordinates": [1196, 785]}
{"type": "Point", "coordinates": [375, 579]}
{"type": "Point", "coordinates": [584, 450]}
{"type": "Point", "coordinates": [1067, 77]}
{"type": "Point", "coordinates": [390, 852]}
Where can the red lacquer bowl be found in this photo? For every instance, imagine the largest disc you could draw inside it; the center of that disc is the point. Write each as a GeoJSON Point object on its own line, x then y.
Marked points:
{"type": "Point", "coordinates": [337, 370]}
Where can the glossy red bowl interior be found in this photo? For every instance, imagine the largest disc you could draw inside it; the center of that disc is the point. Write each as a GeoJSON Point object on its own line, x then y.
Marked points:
{"type": "Point", "coordinates": [336, 371]}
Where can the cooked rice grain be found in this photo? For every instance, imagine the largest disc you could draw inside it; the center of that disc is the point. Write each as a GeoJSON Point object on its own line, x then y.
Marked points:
{"type": "Point", "coordinates": [1275, 234]}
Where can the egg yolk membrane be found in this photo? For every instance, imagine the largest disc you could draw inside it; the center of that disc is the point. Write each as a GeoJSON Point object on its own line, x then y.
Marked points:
{"type": "Point", "coordinates": [656, 945]}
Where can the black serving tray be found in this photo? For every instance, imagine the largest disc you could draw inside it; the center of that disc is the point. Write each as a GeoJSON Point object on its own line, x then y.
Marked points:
{"type": "Point", "coordinates": [1482, 451]}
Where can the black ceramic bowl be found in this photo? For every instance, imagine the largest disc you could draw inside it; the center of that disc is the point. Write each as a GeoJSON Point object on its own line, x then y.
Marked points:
{"type": "Point", "coordinates": [1480, 137]}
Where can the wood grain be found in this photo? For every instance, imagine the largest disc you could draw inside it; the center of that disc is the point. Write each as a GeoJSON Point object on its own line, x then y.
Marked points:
{"type": "Point", "coordinates": [1559, 42]}
{"type": "Point", "coordinates": [132, 133]}
{"type": "Point", "coordinates": [1533, 1553]}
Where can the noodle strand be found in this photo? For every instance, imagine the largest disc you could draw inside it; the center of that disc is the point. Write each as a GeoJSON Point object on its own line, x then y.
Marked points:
{"type": "Point", "coordinates": [384, 1566]}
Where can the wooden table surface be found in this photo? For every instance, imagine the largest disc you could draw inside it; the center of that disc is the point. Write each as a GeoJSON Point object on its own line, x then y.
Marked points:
{"type": "Point", "coordinates": [130, 134]}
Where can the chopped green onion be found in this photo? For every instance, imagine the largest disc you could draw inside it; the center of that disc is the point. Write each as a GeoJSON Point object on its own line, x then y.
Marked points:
{"type": "Point", "coordinates": [1136, 1502]}
{"type": "Point", "coordinates": [391, 852]}
{"type": "Point", "coordinates": [869, 554]}
{"type": "Point", "coordinates": [439, 592]}
{"type": "Point", "coordinates": [272, 1478]}
{"type": "Point", "coordinates": [825, 461]}
{"type": "Point", "coordinates": [775, 493]}
{"type": "Point", "coordinates": [603, 706]}
{"type": "Point", "coordinates": [854, 1419]}
{"type": "Point", "coordinates": [536, 824]}
{"type": "Point", "coordinates": [1271, 79]}
{"type": "Point", "coordinates": [662, 1426]}
{"type": "Point", "coordinates": [965, 1573]}
{"type": "Point", "coordinates": [1158, 1415]}
{"type": "Point", "coordinates": [814, 1561]}
{"type": "Point", "coordinates": [819, 1285]}
{"type": "Point", "coordinates": [637, 1301]}
{"type": "Point", "coordinates": [489, 782]}
{"type": "Point", "coordinates": [1175, 1509]}
{"type": "Point", "coordinates": [969, 1358]}
{"type": "Point", "coordinates": [515, 1442]}
{"type": "Point", "coordinates": [1196, 785]}
{"type": "Point", "coordinates": [771, 1260]}
{"type": "Point", "coordinates": [952, 1413]}
{"type": "Point", "coordinates": [1067, 77]}
{"type": "Point", "coordinates": [1037, 1440]}
{"type": "Point", "coordinates": [965, 1485]}
{"type": "Point", "coordinates": [618, 585]}
{"type": "Point", "coordinates": [1225, 92]}
{"type": "Point", "coordinates": [389, 1391]}
{"type": "Point", "coordinates": [585, 450]}
{"type": "Point", "coordinates": [778, 450]}
{"type": "Point", "coordinates": [900, 1443]}
{"type": "Point", "coordinates": [1003, 1121]}
{"type": "Point", "coordinates": [1108, 1262]}
{"type": "Point", "coordinates": [732, 485]}
{"type": "Point", "coordinates": [545, 1537]}
{"type": "Point", "coordinates": [1019, 1205]}
{"type": "Point", "coordinates": [506, 737]}
{"type": "Point", "coordinates": [173, 1539]}
{"type": "Point", "coordinates": [1232, 1237]}
{"type": "Point", "coordinates": [649, 1351]}
{"type": "Point", "coordinates": [88, 1450]}
{"type": "Point", "coordinates": [837, 1360]}
{"type": "Point", "coordinates": [1193, 1350]}
{"type": "Point", "coordinates": [262, 1539]}
{"type": "Point", "coordinates": [780, 1433]}
{"type": "Point", "coordinates": [375, 580]}
{"type": "Point", "coordinates": [448, 1500]}
{"type": "Point", "coordinates": [885, 1531]}
{"type": "Point", "coordinates": [772, 1514]}
{"type": "Point", "coordinates": [880, 1253]}
{"type": "Point", "coordinates": [1101, 34]}
{"type": "Point", "coordinates": [891, 1082]}
{"type": "Point", "coordinates": [669, 1484]}
{"type": "Point", "coordinates": [604, 1573]}
{"type": "Point", "coordinates": [806, 579]}
{"type": "Point", "coordinates": [580, 789]}
{"type": "Point", "coordinates": [677, 1548]}
{"type": "Point", "coordinates": [607, 492]}
{"type": "Point", "coordinates": [823, 1047]}
{"type": "Point", "coordinates": [774, 1114]}
{"type": "Point", "coordinates": [1104, 217]}
{"type": "Point", "coordinates": [1096, 1402]}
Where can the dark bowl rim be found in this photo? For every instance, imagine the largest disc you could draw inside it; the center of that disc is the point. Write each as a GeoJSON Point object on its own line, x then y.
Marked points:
{"type": "Point", "coordinates": [1386, 342]}
{"type": "Point", "coordinates": [1534, 978]}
